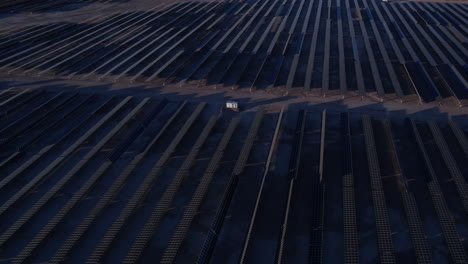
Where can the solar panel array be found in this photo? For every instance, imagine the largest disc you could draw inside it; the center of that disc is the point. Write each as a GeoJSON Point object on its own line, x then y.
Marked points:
{"type": "Point", "coordinates": [401, 50]}
{"type": "Point", "coordinates": [92, 178]}
{"type": "Point", "coordinates": [30, 6]}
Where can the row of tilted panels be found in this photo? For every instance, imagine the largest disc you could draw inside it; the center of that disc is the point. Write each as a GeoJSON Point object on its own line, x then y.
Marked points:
{"type": "Point", "coordinates": [98, 179]}
{"type": "Point", "coordinates": [404, 51]}
{"type": "Point", "coordinates": [43, 6]}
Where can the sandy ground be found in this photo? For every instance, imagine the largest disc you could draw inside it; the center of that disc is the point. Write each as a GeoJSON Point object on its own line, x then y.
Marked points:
{"type": "Point", "coordinates": [251, 101]}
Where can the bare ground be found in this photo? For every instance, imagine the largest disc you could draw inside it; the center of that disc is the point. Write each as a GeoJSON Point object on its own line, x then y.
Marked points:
{"type": "Point", "coordinates": [250, 101]}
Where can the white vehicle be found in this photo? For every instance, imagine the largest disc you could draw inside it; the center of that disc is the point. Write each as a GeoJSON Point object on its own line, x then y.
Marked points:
{"type": "Point", "coordinates": [233, 105]}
